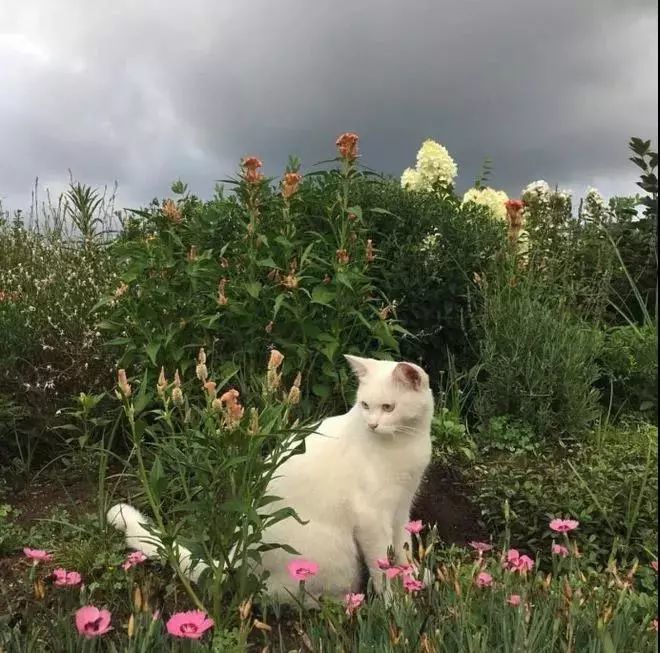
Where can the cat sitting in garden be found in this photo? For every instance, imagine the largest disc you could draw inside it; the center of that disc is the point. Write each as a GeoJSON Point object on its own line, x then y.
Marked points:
{"type": "Point", "coordinates": [353, 485]}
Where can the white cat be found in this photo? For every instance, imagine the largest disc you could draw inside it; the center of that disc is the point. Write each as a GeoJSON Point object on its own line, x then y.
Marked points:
{"type": "Point", "coordinates": [353, 485]}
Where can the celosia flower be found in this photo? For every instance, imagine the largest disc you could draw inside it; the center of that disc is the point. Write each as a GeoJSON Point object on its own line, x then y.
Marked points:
{"type": "Point", "coordinates": [200, 370]}
{"type": "Point", "coordinates": [342, 257]}
{"type": "Point", "coordinates": [133, 559]}
{"type": "Point", "coordinates": [190, 625]}
{"type": "Point", "coordinates": [251, 174]}
{"type": "Point", "coordinates": [353, 602]}
{"type": "Point", "coordinates": [222, 298]}
{"type": "Point", "coordinates": [192, 254]}
{"type": "Point", "coordinates": [300, 569]}
{"type": "Point", "coordinates": [64, 578]}
{"type": "Point", "coordinates": [347, 144]}
{"type": "Point", "coordinates": [484, 579]}
{"type": "Point", "coordinates": [481, 547]}
{"type": "Point", "coordinates": [514, 599]}
{"type": "Point", "coordinates": [559, 550]}
{"type": "Point", "coordinates": [293, 397]}
{"type": "Point", "coordinates": [161, 386]}
{"type": "Point", "coordinates": [654, 565]}
{"type": "Point", "coordinates": [494, 200]}
{"type": "Point", "coordinates": [37, 555]}
{"type": "Point", "coordinates": [370, 254]}
{"type": "Point", "coordinates": [654, 625]}
{"type": "Point", "coordinates": [564, 525]}
{"type": "Point", "coordinates": [177, 393]}
{"type": "Point", "coordinates": [275, 359]}
{"type": "Point", "coordinates": [92, 622]}
{"type": "Point", "coordinates": [233, 409]}
{"type": "Point", "coordinates": [290, 184]}
{"type": "Point", "coordinates": [171, 211]}
{"type": "Point", "coordinates": [414, 526]}
{"type": "Point", "coordinates": [210, 386]}
{"type": "Point", "coordinates": [411, 584]}
{"type": "Point", "coordinates": [290, 281]}
{"type": "Point", "coordinates": [123, 384]}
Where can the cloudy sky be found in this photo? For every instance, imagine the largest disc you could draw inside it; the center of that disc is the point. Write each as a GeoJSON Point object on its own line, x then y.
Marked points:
{"type": "Point", "coordinates": [144, 92]}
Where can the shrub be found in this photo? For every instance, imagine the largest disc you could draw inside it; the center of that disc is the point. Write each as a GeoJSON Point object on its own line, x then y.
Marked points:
{"type": "Point", "coordinates": [431, 246]}
{"type": "Point", "coordinates": [629, 363]}
{"type": "Point", "coordinates": [609, 486]}
{"type": "Point", "coordinates": [283, 274]}
{"type": "Point", "coordinates": [537, 360]}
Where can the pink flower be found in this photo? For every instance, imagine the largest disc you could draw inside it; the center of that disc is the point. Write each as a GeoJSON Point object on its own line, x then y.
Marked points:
{"type": "Point", "coordinates": [654, 565]}
{"type": "Point", "coordinates": [353, 602]}
{"type": "Point", "coordinates": [559, 550]}
{"type": "Point", "coordinates": [484, 579]}
{"type": "Point", "coordinates": [481, 547]}
{"type": "Point", "coordinates": [412, 584]}
{"type": "Point", "coordinates": [414, 526]}
{"type": "Point", "coordinates": [133, 559]}
{"type": "Point", "coordinates": [38, 555]}
{"type": "Point", "coordinates": [92, 622]}
{"type": "Point", "coordinates": [302, 569]}
{"type": "Point", "coordinates": [654, 624]}
{"type": "Point", "coordinates": [517, 562]}
{"type": "Point", "coordinates": [564, 525]}
{"type": "Point", "coordinates": [514, 599]}
{"type": "Point", "coordinates": [64, 578]}
{"type": "Point", "coordinates": [191, 625]}
{"type": "Point", "coordinates": [383, 563]}
{"type": "Point", "coordinates": [393, 572]}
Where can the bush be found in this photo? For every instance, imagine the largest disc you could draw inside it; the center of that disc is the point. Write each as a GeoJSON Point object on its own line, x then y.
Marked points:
{"type": "Point", "coordinates": [431, 248]}
{"type": "Point", "coordinates": [610, 486]}
{"type": "Point", "coordinates": [629, 363]}
{"type": "Point", "coordinates": [537, 360]}
{"type": "Point", "coordinates": [248, 272]}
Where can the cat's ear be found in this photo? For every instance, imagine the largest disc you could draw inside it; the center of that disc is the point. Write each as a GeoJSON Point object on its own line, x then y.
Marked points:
{"type": "Point", "coordinates": [358, 365]}
{"type": "Point", "coordinates": [411, 376]}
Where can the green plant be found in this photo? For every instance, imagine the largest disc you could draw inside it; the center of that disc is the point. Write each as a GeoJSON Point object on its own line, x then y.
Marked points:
{"type": "Point", "coordinates": [628, 361]}
{"type": "Point", "coordinates": [609, 485]}
{"type": "Point", "coordinates": [537, 360]}
{"type": "Point", "coordinates": [287, 273]}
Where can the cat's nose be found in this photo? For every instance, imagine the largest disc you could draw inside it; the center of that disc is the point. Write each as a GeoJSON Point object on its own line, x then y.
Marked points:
{"type": "Point", "coordinates": [373, 425]}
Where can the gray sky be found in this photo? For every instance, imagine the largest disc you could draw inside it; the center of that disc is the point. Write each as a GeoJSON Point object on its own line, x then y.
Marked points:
{"type": "Point", "coordinates": [146, 92]}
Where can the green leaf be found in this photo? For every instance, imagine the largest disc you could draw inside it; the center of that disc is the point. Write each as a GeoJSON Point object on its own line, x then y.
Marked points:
{"type": "Point", "coordinates": [152, 351]}
{"type": "Point", "coordinates": [321, 390]}
{"type": "Point", "coordinates": [253, 288]}
{"type": "Point", "coordinates": [323, 295]}
{"type": "Point", "coordinates": [267, 263]}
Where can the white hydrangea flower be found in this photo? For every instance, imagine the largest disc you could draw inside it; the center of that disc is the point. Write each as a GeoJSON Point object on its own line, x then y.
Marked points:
{"type": "Point", "coordinates": [493, 199]}
{"type": "Point", "coordinates": [539, 189]}
{"type": "Point", "coordinates": [410, 179]}
{"type": "Point", "coordinates": [434, 163]}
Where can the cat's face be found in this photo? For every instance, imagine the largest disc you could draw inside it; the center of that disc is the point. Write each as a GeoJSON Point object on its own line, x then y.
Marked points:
{"type": "Point", "coordinates": [393, 398]}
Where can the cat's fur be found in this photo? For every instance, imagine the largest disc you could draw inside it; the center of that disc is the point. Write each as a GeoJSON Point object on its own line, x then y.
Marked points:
{"type": "Point", "coordinates": [354, 485]}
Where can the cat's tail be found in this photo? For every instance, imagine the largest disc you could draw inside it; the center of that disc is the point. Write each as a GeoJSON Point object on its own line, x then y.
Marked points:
{"type": "Point", "coordinates": [132, 522]}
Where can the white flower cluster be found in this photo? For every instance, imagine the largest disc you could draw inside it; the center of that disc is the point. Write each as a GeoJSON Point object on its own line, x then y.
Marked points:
{"type": "Point", "coordinates": [434, 166]}
{"type": "Point", "coordinates": [489, 197]}
{"type": "Point", "coordinates": [536, 190]}
{"type": "Point", "coordinates": [595, 207]}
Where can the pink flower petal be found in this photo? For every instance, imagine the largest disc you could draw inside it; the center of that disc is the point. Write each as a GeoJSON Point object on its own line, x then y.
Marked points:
{"type": "Point", "coordinates": [300, 569]}
{"type": "Point", "coordinates": [92, 622]}
{"type": "Point", "coordinates": [38, 555]}
{"type": "Point", "coordinates": [414, 527]}
{"type": "Point", "coordinates": [189, 625]}
{"type": "Point", "coordinates": [564, 525]}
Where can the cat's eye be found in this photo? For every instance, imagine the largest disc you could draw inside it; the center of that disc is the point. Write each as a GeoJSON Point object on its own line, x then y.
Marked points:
{"type": "Point", "coordinates": [364, 405]}
{"type": "Point", "coordinates": [388, 408]}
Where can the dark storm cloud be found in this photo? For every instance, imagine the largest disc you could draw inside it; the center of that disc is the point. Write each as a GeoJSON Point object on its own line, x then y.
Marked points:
{"type": "Point", "coordinates": [148, 92]}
